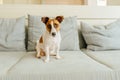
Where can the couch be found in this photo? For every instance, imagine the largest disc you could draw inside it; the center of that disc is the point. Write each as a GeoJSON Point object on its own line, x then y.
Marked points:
{"type": "Point", "coordinates": [82, 64]}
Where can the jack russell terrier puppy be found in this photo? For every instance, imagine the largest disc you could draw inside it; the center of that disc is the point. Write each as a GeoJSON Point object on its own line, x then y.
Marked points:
{"type": "Point", "coordinates": [50, 41]}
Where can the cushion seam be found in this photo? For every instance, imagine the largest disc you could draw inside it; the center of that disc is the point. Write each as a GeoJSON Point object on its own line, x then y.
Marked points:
{"type": "Point", "coordinates": [100, 62]}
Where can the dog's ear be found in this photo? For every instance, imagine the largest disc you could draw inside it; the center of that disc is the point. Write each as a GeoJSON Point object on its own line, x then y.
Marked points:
{"type": "Point", "coordinates": [59, 18]}
{"type": "Point", "coordinates": [45, 19]}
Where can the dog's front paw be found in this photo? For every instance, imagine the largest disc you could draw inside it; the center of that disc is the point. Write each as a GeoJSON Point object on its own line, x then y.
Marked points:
{"type": "Point", "coordinates": [46, 60]}
{"type": "Point", "coordinates": [58, 57]}
{"type": "Point", "coordinates": [38, 56]}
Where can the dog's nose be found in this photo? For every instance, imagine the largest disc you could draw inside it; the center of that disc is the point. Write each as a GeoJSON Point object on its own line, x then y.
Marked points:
{"type": "Point", "coordinates": [53, 34]}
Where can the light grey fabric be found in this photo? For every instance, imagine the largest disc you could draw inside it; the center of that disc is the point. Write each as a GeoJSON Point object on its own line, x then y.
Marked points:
{"type": "Point", "coordinates": [108, 58]}
{"type": "Point", "coordinates": [35, 29]}
{"type": "Point", "coordinates": [82, 43]}
{"type": "Point", "coordinates": [12, 34]}
{"type": "Point", "coordinates": [68, 32]}
{"type": "Point", "coordinates": [102, 37]}
{"type": "Point", "coordinates": [8, 60]}
{"type": "Point", "coordinates": [72, 66]}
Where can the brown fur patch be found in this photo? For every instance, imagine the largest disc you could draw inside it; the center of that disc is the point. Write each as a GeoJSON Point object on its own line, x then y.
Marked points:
{"type": "Point", "coordinates": [48, 21]}
{"type": "Point", "coordinates": [42, 53]}
{"type": "Point", "coordinates": [44, 19]}
{"type": "Point", "coordinates": [60, 18]}
{"type": "Point", "coordinates": [48, 25]}
{"type": "Point", "coordinates": [48, 29]}
{"type": "Point", "coordinates": [41, 40]}
{"type": "Point", "coordinates": [56, 25]}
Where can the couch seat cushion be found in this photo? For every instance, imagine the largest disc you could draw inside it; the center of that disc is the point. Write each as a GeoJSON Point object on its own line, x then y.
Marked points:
{"type": "Point", "coordinates": [109, 58]}
{"type": "Point", "coordinates": [8, 60]}
{"type": "Point", "coordinates": [74, 65]}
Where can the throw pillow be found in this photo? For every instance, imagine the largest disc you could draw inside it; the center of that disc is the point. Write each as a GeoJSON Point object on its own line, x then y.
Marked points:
{"type": "Point", "coordinates": [12, 34]}
{"type": "Point", "coordinates": [104, 37]}
{"type": "Point", "coordinates": [69, 32]}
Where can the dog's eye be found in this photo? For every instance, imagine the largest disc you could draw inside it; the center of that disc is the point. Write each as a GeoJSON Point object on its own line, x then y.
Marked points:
{"type": "Point", "coordinates": [49, 26]}
{"type": "Point", "coordinates": [56, 25]}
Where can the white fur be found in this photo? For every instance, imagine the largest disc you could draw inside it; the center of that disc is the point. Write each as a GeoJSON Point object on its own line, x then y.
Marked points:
{"type": "Point", "coordinates": [50, 44]}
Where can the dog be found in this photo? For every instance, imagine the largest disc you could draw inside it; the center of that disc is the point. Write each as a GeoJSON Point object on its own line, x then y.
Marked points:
{"type": "Point", "coordinates": [50, 41]}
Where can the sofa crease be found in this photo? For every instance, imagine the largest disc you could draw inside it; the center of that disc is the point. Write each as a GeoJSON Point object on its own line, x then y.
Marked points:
{"type": "Point", "coordinates": [15, 64]}
{"type": "Point", "coordinates": [100, 62]}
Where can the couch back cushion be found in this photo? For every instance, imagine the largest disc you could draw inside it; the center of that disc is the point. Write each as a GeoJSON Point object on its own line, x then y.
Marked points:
{"type": "Point", "coordinates": [103, 37]}
{"type": "Point", "coordinates": [69, 32]}
{"type": "Point", "coordinates": [35, 29]}
{"type": "Point", "coordinates": [12, 34]}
